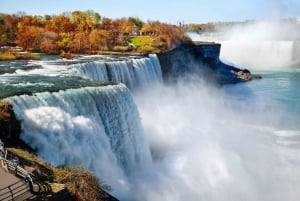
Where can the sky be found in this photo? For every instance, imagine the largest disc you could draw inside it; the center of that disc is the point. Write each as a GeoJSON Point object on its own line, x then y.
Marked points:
{"type": "Point", "coordinates": [169, 11]}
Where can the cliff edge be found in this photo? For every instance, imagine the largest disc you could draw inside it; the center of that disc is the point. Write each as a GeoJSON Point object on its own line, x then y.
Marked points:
{"type": "Point", "coordinates": [201, 59]}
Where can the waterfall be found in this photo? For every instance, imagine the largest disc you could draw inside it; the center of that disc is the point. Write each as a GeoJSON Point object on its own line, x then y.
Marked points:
{"type": "Point", "coordinates": [259, 54]}
{"type": "Point", "coordinates": [133, 73]}
{"type": "Point", "coordinates": [95, 127]}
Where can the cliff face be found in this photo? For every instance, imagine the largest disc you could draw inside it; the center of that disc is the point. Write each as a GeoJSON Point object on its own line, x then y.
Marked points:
{"type": "Point", "coordinates": [199, 59]}
{"type": "Point", "coordinates": [10, 127]}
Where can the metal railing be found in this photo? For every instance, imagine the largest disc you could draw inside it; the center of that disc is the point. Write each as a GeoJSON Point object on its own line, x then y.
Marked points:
{"type": "Point", "coordinates": [24, 185]}
{"type": "Point", "coordinates": [14, 190]}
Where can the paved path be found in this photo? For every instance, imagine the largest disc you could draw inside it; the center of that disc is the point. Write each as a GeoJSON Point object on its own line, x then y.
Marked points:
{"type": "Point", "coordinates": [6, 179]}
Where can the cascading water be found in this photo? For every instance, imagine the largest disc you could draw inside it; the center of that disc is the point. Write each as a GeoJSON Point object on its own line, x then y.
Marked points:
{"type": "Point", "coordinates": [258, 46]}
{"type": "Point", "coordinates": [239, 142]}
{"type": "Point", "coordinates": [95, 127]}
{"type": "Point", "coordinates": [133, 73]}
{"type": "Point", "coordinates": [258, 54]}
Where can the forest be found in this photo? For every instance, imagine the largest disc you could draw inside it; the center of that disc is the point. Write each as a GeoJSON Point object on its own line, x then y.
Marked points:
{"type": "Point", "coordinates": [87, 32]}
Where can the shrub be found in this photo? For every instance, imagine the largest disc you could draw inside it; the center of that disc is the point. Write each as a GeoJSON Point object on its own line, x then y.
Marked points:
{"type": "Point", "coordinates": [66, 55]}
{"type": "Point", "coordinates": [5, 110]}
{"type": "Point", "coordinates": [7, 55]}
{"type": "Point", "coordinates": [121, 48]}
{"type": "Point", "coordinates": [81, 183]}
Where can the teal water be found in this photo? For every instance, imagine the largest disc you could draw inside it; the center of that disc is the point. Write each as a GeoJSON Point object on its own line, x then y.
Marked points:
{"type": "Point", "coordinates": [280, 86]}
{"type": "Point", "coordinates": [237, 142]}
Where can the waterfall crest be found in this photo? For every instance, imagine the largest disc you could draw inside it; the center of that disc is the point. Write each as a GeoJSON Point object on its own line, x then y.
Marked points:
{"type": "Point", "coordinates": [133, 73]}
{"type": "Point", "coordinates": [97, 127]}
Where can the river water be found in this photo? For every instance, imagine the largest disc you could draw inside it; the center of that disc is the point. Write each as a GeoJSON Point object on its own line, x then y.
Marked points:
{"type": "Point", "coordinates": [185, 141]}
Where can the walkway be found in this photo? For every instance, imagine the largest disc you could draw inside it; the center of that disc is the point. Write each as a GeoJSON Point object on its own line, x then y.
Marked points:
{"type": "Point", "coordinates": [6, 178]}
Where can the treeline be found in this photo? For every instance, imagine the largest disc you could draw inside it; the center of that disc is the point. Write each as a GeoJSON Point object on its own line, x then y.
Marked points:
{"type": "Point", "coordinates": [83, 32]}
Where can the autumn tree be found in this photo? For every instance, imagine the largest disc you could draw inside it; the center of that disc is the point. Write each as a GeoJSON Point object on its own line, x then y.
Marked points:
{"type": "Point", "coordinates": [8, 28]}
{"type": "Point", "coordinates": [85, 21]}
{"type": "Point", "coordinates": [29, 37]}
{"type": "Point", "coordinates": [84, 32]}
{"type": "Point", "coordinates": [65, 41]}
{"type": "Point", "coordinates": [98, 40]}
{"type": "Point", "coordinates": [49, 44]}
{"type": "Point", "coordinates": [80, 42]}
{"type": "Point", "coordinates": [59, 24]}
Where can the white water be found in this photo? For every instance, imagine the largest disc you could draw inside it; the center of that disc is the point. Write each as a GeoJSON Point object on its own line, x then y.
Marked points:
{"type": "Point", "coordinates": [258, 45]}
{"type": "Point", "coordinates": [258, 55]}
{"type": "Point", "coordinates": [207, 144]}
{"type": "Point", "coordinates": [133, 73]}
{"type": "Point", "coordinates": [211, 146]}
{"type": "Point", "coordinates": [98, 128]}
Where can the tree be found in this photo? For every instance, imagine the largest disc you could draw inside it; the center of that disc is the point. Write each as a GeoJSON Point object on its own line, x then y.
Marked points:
{"type": "Point", "coordinates": [30, 37]}
{"type": "Point", "coordinates": [85, 21]}
{"type": "Point", "coordinates": [49, 43]}
{"type": "Point", "coordinates": [80, 42]}
{"type": "Point", "coordinates": [65, 41]}
{"type": "Point", "coordinates": [98, 40]}
{"type": "Point", "coordinates": [136, 21]}
{"type": "Point", "coordinates": [60, 24]}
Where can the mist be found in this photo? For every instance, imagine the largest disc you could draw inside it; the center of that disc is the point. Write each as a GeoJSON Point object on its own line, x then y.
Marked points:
{"type": "Point", "coordinates": [262, 45]}
{"type": "Point", "coordinates": [209, 145]}
{"type": "Point", "coordinates": [267, 44]}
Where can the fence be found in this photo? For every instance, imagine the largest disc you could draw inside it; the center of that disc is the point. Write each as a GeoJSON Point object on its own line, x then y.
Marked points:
{"type": "Point", "coordinates": [15, 190]}
{"type": "Point", "coordinates": [21, 187]}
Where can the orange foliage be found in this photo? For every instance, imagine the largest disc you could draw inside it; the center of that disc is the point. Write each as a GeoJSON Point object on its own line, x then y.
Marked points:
{"type": "Point", "coordinates": [82, 32]}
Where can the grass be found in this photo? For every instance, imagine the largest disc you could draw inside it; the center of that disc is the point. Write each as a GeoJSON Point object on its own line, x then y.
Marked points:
{"type": "Point", "coordinates": [147, 44]}
{"type": "Point", "coordinates": [141, 41]}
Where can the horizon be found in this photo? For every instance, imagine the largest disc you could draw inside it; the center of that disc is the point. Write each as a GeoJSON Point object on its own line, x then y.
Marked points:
{"type": "Point", "coordinates": [196, 12]}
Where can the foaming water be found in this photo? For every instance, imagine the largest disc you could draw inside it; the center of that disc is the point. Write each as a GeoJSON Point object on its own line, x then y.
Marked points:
{"type": "Point", "coordinates": [207, 144]}
{"type": "Point", "coordinates": [134, 73]}
{"type": "Point", "coordinates": [259, 55]}
{"type": "Point", "coordinates": [258, 45]}
{"type": "Point", "coordinates": [98, 128]}
{"type": "Point", "coordinates": [238, 142]}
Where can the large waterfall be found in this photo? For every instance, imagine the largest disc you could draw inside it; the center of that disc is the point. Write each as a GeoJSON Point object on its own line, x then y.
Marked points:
{"type": "Point", "coordinates": [260, 54]}
{"type": "Point", "coordinates": [133, 73]}
{"type": "Point", "coordinates": [182, 141]}
{"type": "Point", "coordinates": [257, 45]}
{"type": "Point", "coordinates": [95, 127]}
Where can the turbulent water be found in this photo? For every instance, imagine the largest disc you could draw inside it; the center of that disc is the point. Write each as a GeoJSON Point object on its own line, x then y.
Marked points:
{"type": "Point", "coordinates": [97, 127]}
{"type": "Point", "coordinates": [183, 141]}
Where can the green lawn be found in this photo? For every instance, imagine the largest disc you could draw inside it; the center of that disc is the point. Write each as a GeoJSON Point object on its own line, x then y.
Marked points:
{"type": "Point", "coordinates": [141, 41]}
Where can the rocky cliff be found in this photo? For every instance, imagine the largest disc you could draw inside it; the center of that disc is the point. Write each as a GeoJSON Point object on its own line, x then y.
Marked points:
{"type": "Point", "coordinates": [10, 127]}
{"type": "Point", "coordinates": [201, 60]}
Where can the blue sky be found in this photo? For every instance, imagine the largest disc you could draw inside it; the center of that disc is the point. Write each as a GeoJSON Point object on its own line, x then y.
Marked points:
{"type": "Point", "coordinates": [170, 11]}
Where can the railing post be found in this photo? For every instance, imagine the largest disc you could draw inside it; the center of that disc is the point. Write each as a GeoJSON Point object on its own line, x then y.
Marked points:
{"type": "Point", "coordinates": [30, 182]}
{"type": "Point", "coordinates": [16, 163]}
{"type": "Point", "coordinates": [11, 193]}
